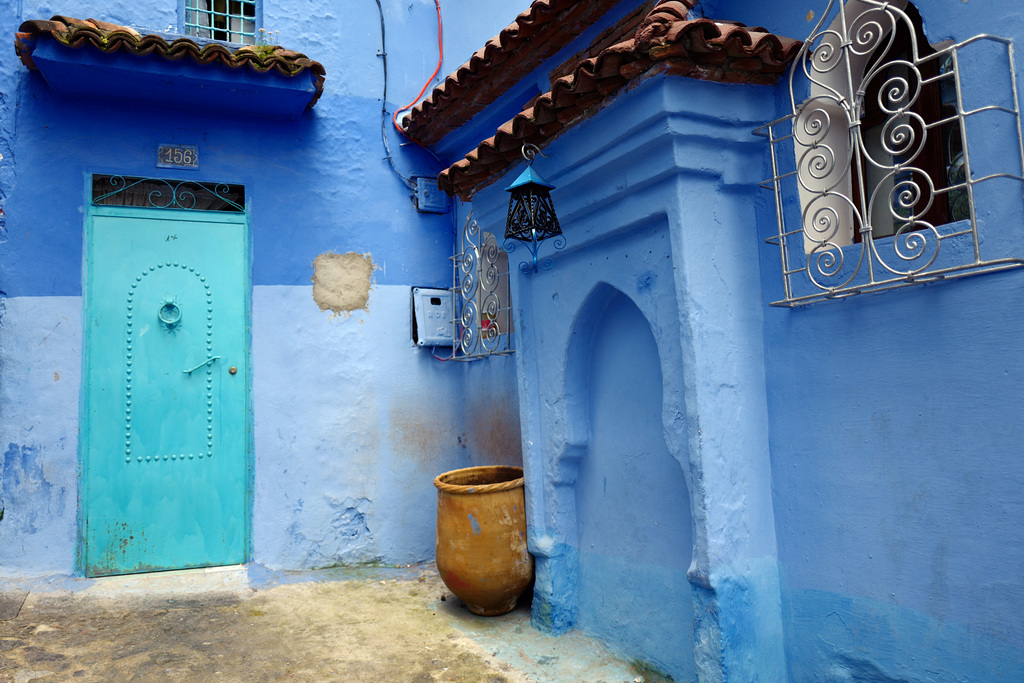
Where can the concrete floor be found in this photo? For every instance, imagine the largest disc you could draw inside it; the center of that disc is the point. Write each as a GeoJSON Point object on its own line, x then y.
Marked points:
{"type": "Point", "coordinates": [251, 624]}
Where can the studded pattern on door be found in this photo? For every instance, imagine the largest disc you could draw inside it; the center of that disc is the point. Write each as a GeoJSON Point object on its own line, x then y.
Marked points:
{"type": "Point", "coordinates": [165, 401]}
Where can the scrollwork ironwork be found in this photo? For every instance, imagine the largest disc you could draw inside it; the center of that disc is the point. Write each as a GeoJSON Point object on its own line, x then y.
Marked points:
{"type": "Point", "coordinates": [482, 293]}
{"type": "Point", "coordinates": [164, 193]}
{"type": "Point", "coordinates": [857, 149]}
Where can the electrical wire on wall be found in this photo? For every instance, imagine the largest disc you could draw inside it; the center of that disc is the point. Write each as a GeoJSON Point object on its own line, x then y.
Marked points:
{"type": "Point", "coordinates": [394, 118]}
{"type": "Point", "coordinates": [383, 54]}
{"type": "Point", "coordinates": [437, 69]}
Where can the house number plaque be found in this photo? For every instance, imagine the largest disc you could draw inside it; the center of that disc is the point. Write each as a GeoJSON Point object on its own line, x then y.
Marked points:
{"type": "Point", "coordinates": [177, 156]}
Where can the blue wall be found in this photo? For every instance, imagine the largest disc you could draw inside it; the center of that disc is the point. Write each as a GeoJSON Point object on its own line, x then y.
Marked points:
{"type": "Point", "coordinates": [351, 421]}
{"type": "Point", "coordinates": [896, 466]}
{"type": "Point", "coordinates": [633, 199]}
{"type": "Point", "coordinates": [851, 470]}
{"type": "Point", "coordinates": [897, 478]}
{"type": "Point", "coordinates": [895, 539]}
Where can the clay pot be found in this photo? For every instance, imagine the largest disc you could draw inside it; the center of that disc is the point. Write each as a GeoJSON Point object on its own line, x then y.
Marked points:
{"type": "Point", "coordinates": [481, 537]}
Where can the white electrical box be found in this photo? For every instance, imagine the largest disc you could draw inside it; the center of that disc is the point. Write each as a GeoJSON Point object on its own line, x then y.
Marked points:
{"type": "Point", "coordinates": [432, 317]}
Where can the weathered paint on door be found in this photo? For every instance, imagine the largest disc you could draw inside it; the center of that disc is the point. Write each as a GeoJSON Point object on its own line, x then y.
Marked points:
{"type": "Point", "coordinates": [165, 417]}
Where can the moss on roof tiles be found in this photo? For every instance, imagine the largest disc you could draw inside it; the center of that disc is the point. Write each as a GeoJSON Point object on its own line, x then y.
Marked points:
{"type": "Point", "coordinates": [112, 38]}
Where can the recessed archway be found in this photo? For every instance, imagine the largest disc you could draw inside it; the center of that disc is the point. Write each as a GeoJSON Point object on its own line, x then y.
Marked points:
{"type": "Point", "coordinates": [633, 518]}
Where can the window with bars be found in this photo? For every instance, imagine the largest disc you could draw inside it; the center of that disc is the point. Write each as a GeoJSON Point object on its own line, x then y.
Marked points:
{"type": "Point", "coordinates": [483, 307]}
{"type": "Point", "coordinates": [875, 184]}
{"type": "Point", "coordinates": [233, 21]}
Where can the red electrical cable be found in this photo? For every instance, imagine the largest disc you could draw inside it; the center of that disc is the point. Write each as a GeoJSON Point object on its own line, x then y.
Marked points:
{"type": "Point", "coordinates": [440, 58]}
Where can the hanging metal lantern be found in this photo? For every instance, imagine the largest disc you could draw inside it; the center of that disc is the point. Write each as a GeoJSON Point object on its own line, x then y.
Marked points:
{"type": "Point", "coordinates": [531, 215]}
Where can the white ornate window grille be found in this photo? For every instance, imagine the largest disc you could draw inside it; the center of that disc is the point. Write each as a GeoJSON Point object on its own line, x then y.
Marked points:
{"type": "Point", "coordinates": [483, 305]}
{"type": "Point", "coordinates": [860, 204]}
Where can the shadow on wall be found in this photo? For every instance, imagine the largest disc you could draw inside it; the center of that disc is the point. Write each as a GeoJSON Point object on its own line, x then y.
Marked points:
{"type": "Point", "coordinates": [492, 432]}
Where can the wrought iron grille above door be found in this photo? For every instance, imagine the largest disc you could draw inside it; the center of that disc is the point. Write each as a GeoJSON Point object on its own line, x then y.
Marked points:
{"type": "Point", "coordinates": [164, 193]}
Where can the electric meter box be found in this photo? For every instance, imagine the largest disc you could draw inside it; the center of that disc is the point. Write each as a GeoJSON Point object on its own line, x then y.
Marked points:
{"type": "Point", "coordinates": [429, 197]}
{"type": "Point", "coordinates": [432, 317]}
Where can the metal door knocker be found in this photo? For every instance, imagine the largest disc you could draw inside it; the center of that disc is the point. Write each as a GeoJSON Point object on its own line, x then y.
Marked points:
{"type": "Point", "coordinates": [169, 313]}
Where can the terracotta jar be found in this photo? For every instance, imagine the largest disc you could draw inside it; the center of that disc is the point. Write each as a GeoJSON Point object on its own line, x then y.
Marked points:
{"type": "Point", "coordinates": [481, 537]}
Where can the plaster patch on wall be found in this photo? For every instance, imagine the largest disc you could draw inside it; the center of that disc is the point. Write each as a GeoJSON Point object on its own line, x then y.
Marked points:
{"type": "Point", "coordinates": [341, 282]}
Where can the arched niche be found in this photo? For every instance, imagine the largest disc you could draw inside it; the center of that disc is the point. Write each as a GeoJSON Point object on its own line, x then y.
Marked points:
{"type": "Point", "coordinates": [624, 489]}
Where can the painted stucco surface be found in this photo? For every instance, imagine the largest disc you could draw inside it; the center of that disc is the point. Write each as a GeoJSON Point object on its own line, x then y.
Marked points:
{"type": "Point", "coordinates": [351, 422]}
{"type": "Point", "coordinates": [641, 227]}
{"type": "Point", "coordinates": [359, 442]}
{"type": "Point", "coordinates": [40, 358]}
{"type": "Point", "coordinates": [841, 484]}
{"type": "Point", "coordinates": [490, 409]}
{"type": "Point", "coordinates": [632, 506]}
{"type": "Point", "coordinates": [894, 477]}
{"type": "Point", "coordinates": [898, 513]}
{"type": "Point", "coordinates": [895, 451]}
{"type": "Point", "coordinates": [906, 504]}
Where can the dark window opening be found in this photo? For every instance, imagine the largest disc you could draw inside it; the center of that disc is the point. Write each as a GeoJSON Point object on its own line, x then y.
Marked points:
{"type": "Point", "coordinates": [930, 116]}
{"type": "Point", "coordinates": [164, 193]}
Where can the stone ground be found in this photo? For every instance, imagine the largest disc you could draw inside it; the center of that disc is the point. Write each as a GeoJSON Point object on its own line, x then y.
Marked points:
{"type": "Point", "coordinates": [247, 624]}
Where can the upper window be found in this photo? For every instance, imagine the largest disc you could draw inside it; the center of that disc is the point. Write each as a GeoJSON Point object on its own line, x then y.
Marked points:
{"type": "Point", "coordinates": [233, 21]}
{"type": "Point", "coordinates": [874, 157]}
{"type": "Point", "coordinates": [924, 111]}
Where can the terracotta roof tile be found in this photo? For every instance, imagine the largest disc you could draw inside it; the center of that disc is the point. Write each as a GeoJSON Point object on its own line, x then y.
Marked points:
{"type": "Point", "coordinates": [666, 42]}
{"type": "Point", "coordinates": [112, 38]}
{"type": "Point", "coordinates": [536, 34]}
{"type": "Point", "coordinates": [616, 33]}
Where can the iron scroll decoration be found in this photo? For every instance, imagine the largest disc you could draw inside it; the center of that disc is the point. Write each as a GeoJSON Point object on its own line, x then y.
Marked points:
{"type": "Point", "coordinates": [531, 215]}
{"type": "Point", "coordinates": [870, 158]}
{"type": "Point", "coordinates": [483, 311]}
{"type": "Point", "coordinates": [165, 193]}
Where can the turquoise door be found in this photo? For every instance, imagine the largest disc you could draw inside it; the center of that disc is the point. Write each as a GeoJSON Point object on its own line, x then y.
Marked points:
{"type": "Point", "coordinates": [165, 390]}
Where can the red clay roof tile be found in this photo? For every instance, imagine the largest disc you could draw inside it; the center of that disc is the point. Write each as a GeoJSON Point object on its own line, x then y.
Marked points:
{"type": "Point", "coordinates": [536, 34]}
{"type": "Point", "coordinates": [112, 38]}
{"type": "Point", "coordinates": [666, 42]}
{"type": "Point", "coordinates": [616, 33]}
